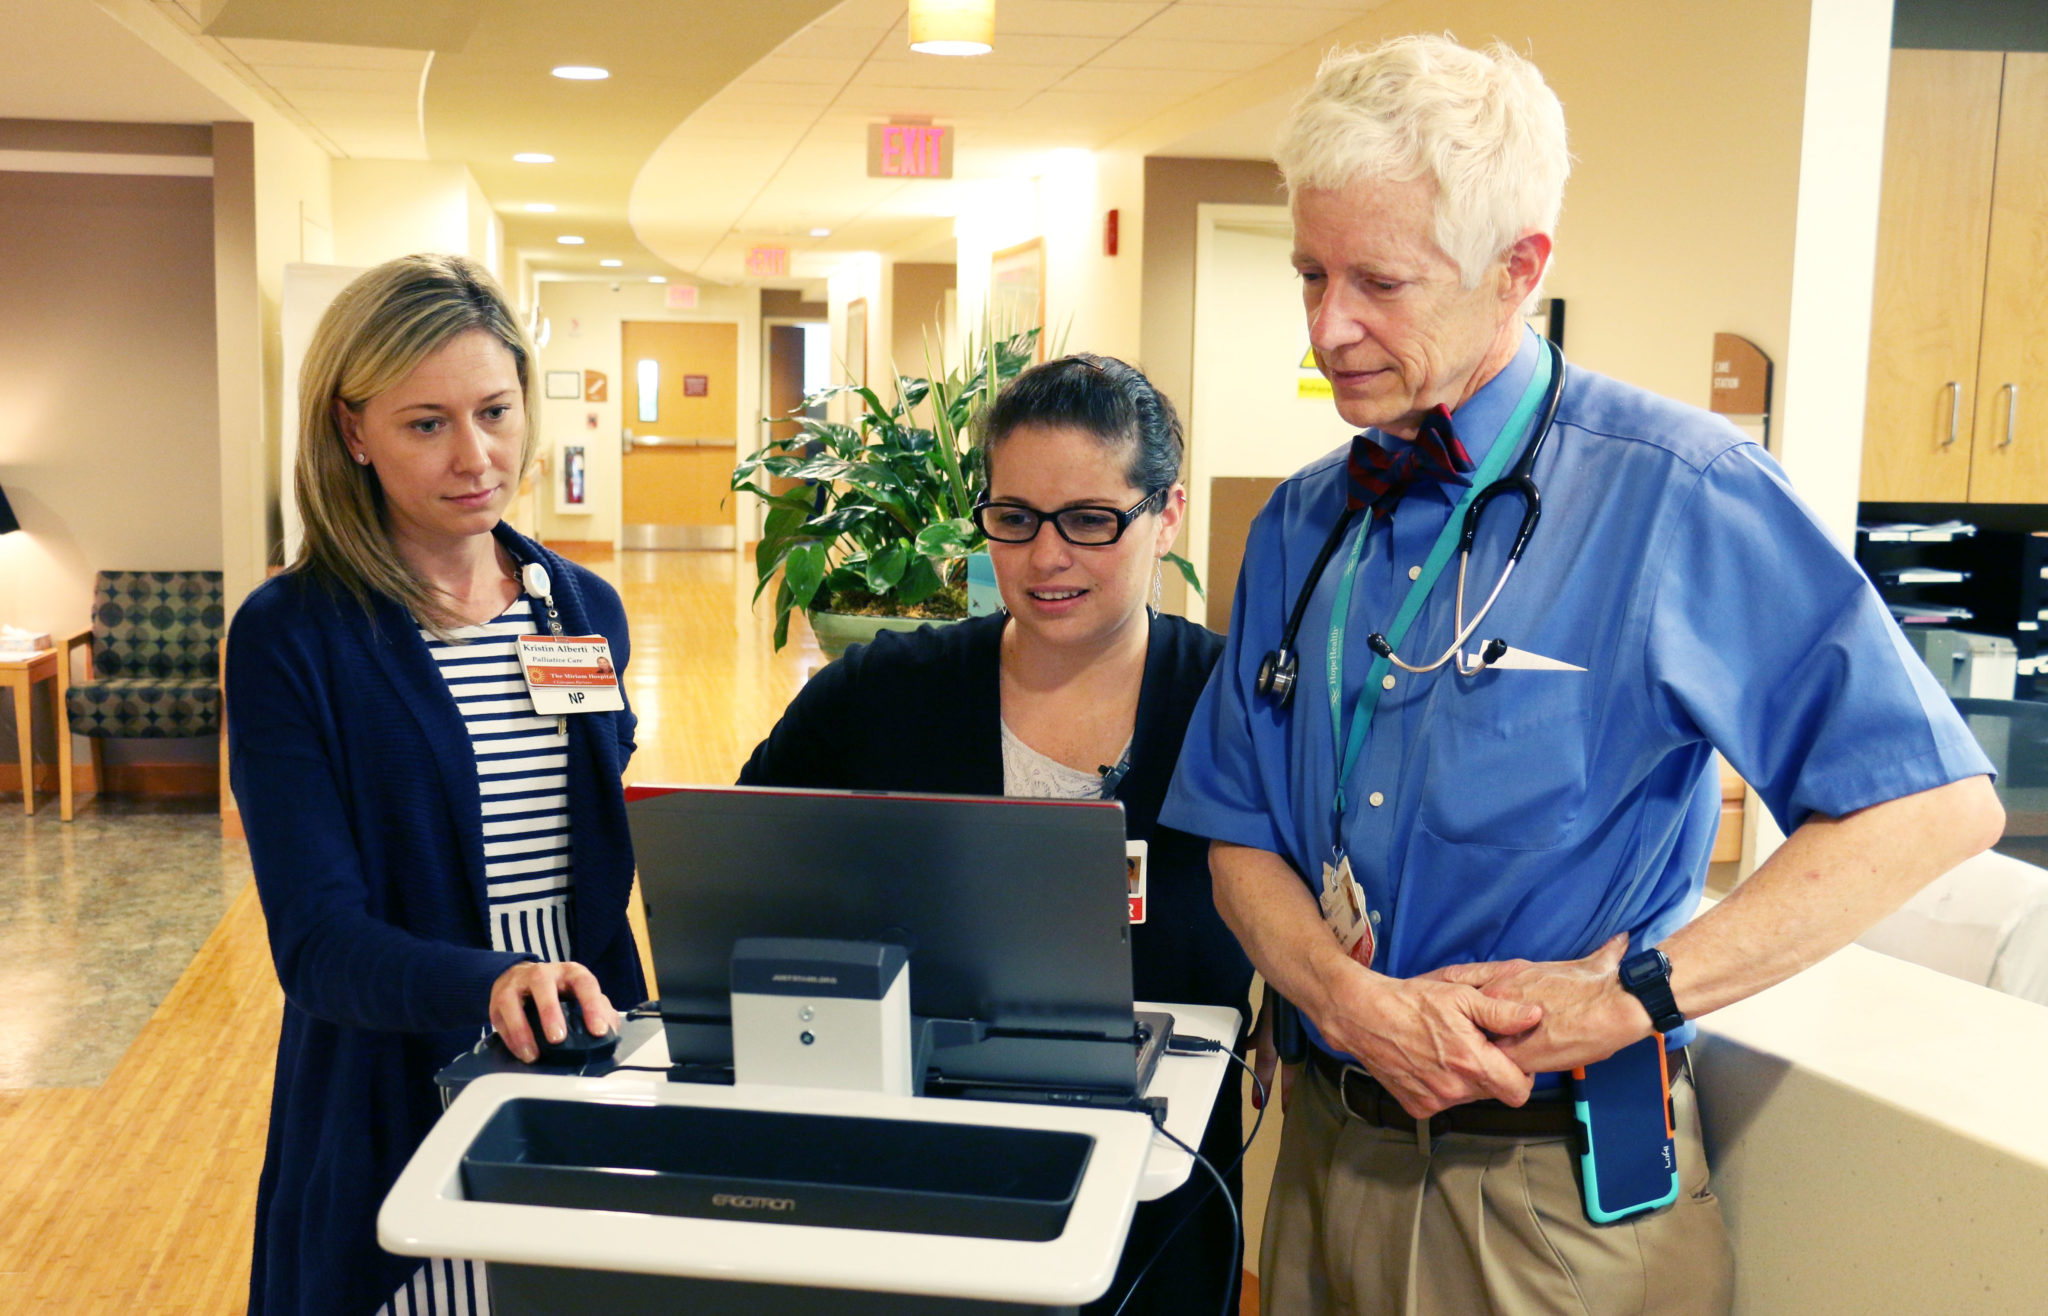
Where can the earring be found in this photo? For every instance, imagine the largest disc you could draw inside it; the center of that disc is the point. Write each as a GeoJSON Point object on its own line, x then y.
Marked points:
{"type": "Point", "coordinates": [1158, 584]}
{"type": "Point", "coordinates": [362, 459]}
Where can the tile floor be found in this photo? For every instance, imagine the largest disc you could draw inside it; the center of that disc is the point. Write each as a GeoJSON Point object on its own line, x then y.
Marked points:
{"type": "Point", "coordinates": [98, 917]}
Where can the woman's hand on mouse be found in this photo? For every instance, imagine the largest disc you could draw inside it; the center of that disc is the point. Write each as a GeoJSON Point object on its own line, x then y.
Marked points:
{"type": "Point", "coordinates": [551, 987]}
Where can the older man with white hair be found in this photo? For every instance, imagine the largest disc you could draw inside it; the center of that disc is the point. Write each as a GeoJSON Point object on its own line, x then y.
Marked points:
{"type": "Point", "coordinates": [1470, 844]}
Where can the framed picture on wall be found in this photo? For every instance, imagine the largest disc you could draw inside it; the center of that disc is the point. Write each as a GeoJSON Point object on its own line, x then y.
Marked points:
{"type": "Point", "coordinates": [857, 342]}
{"type": "Point", "coordinates": [1016, 290]}
{"type": "Point", "coordinates": [567, 384]}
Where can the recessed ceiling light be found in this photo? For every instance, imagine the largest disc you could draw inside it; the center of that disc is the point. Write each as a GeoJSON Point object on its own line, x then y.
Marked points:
{"type": "Point", "coordinates": [534, 157]}
{"type": "Point", "coordinates": [540, 208]}
{"type": "Point", "coordinates": [611, 264]}
{"type": "Point", "coordinates": [582, 73]}
{"type": "Point", "coordinates": [657, 278]}
{"type": "Point", "coordinates": [821, 232]}
{"type": "Point", "coordinates": [570, 240]}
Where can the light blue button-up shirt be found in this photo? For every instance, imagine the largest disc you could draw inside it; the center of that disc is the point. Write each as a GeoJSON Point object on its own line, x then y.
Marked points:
{"type": "Point", "coordinates": [1535, 814]}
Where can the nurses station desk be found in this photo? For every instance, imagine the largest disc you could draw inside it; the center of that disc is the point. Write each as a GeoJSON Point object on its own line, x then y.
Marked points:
{"type": "Point", "coordinates": [894, 1247]}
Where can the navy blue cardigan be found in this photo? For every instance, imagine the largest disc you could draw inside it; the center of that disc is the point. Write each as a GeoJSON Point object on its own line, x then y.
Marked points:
{"type": "Point", "coordinates": [358, 792]}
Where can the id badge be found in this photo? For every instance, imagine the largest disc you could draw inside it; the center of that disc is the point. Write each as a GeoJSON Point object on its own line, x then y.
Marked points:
{"type": "Point", "coordinates": [1345, 914]}
{"type": "Point", "coordinates": [1134, 878]}
{"type": "Point", "coordinates": [569, 674]}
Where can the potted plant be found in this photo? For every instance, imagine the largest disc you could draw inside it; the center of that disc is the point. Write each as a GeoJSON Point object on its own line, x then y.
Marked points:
{"type": "Point", "coordinates": [879, 535]}
{"type": "Point", "coordinates": [882, 528]}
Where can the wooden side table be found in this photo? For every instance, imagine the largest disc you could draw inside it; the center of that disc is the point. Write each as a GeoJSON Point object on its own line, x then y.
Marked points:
{"type": "Point", "coordinates": [21, 675]}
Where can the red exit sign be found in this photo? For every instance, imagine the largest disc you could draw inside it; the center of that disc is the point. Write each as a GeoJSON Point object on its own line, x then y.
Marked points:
{"type": "Point", "coordinates": [910, 150]}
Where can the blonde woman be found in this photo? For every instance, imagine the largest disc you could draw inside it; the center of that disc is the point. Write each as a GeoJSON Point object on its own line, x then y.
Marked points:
{"type": "Point", "coordinates": [430, 854]}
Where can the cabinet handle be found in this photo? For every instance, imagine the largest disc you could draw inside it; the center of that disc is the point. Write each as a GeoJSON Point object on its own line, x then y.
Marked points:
{"type": "Point", "coordinates": [1955, 408]}
{"type": "Point", "coordinates": [2012, 410]}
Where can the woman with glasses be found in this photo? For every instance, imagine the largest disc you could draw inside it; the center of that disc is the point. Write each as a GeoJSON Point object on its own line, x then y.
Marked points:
{"type": "Point", "coordinates": [1077, 690]}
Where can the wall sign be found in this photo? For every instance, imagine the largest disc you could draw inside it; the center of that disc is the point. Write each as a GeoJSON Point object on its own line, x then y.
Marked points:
{"type": "Point", "coordinates": [681, 297]}
{"type": "Point", "coordinates": [696, 386]}
{"type": "Point", "coordinates": [910, 150]}
{"type": "Point", "coordinates": [593, 386]}
{"type": "Point", "coordinates": [565, 384]}
{"type": "Point", "coordinates": [765, 262]}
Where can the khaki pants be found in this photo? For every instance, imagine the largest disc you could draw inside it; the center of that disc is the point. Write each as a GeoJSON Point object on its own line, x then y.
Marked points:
{"type": "Point", "coordinates": [1362, 1222]}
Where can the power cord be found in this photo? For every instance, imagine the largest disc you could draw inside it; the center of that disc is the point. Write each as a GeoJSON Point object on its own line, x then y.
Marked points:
{"type": "Point", "coordinates": [1181, 1044]}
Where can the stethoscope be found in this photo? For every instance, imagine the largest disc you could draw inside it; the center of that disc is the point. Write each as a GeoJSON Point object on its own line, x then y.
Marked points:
{"type": "Point", "coordinates": [1280, 668]}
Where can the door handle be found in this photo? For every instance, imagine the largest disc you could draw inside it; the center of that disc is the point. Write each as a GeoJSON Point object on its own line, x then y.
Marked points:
{"type": "Point", "coordinates": [1955, 407]}
{"type": "Point", "coordinates": [2012, 411]}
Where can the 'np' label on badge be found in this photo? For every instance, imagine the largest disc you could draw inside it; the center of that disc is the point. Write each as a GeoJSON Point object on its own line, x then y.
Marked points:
{"type": "Point", "coordinates": [569, 674]}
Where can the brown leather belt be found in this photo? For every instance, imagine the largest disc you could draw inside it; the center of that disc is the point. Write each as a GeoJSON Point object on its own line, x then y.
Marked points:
{"type": "Point", "coordinates": [1545, 1116]}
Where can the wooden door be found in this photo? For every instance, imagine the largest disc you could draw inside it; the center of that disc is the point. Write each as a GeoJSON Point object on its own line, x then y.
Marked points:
{"type": "Point", "coordinates": [2010, 457]}
{"type": "Point", "coordinates": [1941, 139]}
{"type": "Point", "coordinates": [681, 434]}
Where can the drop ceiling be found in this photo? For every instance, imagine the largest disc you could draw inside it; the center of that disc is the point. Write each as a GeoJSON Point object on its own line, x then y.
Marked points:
{"type": "Point", "coordinates": [728, 124]}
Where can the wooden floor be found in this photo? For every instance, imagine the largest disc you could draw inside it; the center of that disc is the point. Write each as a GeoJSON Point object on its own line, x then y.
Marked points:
{"type": "Point", "coordinates": [138, 1196]}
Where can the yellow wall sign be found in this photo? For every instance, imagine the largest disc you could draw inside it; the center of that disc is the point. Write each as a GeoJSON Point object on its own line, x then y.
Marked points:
{"type": "Point", "coordinates": [1312, 384]}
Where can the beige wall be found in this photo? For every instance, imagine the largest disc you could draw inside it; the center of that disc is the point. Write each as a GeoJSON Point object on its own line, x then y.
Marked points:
{"type": "Point", "coordinates": [389, 208]}
{"type": "Point", "coordinates": [108, 401]}
{"type": "Point", "coordinates": [918, 315]}
{"type": "Point", "coordinates": [584, 334]}
{"type": "Point", "coordinates": [1174, 189]}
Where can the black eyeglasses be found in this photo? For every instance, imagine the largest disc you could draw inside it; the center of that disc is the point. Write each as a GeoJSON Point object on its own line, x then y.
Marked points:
{"type": "Point", "coordinates": [1088, 527]}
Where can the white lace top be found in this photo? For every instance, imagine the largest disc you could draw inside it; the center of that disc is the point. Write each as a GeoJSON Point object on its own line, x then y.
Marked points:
{"type": "Point", "coordinates": [1030, 773]}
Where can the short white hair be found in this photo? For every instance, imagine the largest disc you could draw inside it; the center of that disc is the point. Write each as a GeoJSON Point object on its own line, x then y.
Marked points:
{"type": "Point", "coordinates": [1482, 125]}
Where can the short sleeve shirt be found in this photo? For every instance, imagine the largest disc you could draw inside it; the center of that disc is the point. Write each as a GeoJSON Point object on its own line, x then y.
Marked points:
{"type": "Point", "coordinates": [1526, 813]}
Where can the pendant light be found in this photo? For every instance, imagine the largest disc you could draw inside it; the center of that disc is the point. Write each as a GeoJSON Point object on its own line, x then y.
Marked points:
{"type": "Point", "coordinates": [952, 27]}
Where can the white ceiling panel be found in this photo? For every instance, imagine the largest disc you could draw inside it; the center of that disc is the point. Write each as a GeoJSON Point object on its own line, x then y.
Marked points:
{"type": "Point", "coordinates": [940, 103]}
{"type": "Point", "coordinates": [790, 68]}
{"type": "Point", "coordinates": [1180, 84]}
{"type": "Point", "coordinates": [979, 74]}
{"type": "Point", "coordinates": [865, 15]}
{"type": "Point", "coordinates": [1063, 50]}
{"type": "Point", "coordinates": [1265, 23]}
{"type": "Point", "coordinates": [1149, 52]}
{"type": "Point", "coordinates": [1107, 18]}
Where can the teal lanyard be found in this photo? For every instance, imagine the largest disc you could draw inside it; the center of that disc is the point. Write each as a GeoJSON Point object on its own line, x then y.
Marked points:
{"type": "Point", "coordinates": [1411, 606]}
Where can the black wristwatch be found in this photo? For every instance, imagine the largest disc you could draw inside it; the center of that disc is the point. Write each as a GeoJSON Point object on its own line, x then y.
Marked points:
{"type": "Point", "coordinates": [1646, 975]}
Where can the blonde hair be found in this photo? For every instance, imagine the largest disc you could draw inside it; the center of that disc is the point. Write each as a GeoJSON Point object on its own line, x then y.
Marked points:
{"type": "Point", "coordinates": [1482, 125]}
{"type": "Point", "coordinates": [374, 335]}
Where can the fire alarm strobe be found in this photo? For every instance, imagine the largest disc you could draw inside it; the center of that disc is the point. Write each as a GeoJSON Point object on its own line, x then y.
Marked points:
{"type": "Point", "coordinates": [822, 1014]}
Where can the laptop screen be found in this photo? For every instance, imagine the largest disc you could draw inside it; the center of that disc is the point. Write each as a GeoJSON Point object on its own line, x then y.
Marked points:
{"type": "Point", "coordinates": [1013, 911]}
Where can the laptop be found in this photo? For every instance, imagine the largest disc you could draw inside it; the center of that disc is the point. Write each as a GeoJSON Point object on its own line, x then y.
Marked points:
{"type": "Point", "coordinates": [1013, 911]}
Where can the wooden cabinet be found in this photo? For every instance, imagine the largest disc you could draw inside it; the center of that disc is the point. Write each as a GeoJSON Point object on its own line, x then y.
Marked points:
{"type": "Point", "coordinates": [1958, 400]}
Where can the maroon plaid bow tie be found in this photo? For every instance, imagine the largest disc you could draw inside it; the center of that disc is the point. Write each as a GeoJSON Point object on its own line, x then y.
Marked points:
{"type": "Point", "coordinates": [1379, 477]}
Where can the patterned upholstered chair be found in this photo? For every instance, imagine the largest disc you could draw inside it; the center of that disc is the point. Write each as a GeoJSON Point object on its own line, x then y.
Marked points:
{"type": "Point", "coordinates": [152, 665]}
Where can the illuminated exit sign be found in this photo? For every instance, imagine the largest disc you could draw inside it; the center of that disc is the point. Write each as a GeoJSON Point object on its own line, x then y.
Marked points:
{"type": "Point", "coordinates": [910, 150]}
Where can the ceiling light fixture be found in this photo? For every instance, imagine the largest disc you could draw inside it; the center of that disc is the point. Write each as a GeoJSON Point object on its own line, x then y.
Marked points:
{"type": "Point", "coordinates": [952, 27]}
{"type": "Point", "coordinates": [657, 278]}
{"type": "Point", "coordinates": [534, 157]}
{"type": "Point", "coordinates": [540, 208]}
{"type": "Point", "coordinates": [821, 232]}
{"type": "Point", "coordinates": [570, 240]}
{"type": "Point", "coordinates": [611, 264]}
{"type": "Point", "coordinates": [582, 73]}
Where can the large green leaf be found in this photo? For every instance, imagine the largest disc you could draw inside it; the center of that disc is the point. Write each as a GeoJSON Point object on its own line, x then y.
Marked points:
{"type": "Point", "coordinates": [951, 538]}
{"type": "Point", "coordinates": [919, 582]}
{"type": "Point", "coordinates": [1187, 571]}
{"type": "Point", "coordinates": [803, 569]}
{"type": "Point", "coordinates": [886, 567]}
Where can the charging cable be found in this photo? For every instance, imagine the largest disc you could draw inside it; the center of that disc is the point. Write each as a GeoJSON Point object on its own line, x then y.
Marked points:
{"type": "Point", "coordinates": [1182, 1044]}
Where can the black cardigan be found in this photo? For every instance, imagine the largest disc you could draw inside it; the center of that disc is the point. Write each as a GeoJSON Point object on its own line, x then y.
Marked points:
{"type": "Point", "coordinates": [922, 711]}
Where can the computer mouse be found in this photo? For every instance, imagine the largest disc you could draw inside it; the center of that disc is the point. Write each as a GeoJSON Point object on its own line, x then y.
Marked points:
{"type": "Point", "coordinates": [579, 1046]}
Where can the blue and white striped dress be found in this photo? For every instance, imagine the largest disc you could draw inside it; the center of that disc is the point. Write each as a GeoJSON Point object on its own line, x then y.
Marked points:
{"type": "Point", "coordinates": [522, 764]}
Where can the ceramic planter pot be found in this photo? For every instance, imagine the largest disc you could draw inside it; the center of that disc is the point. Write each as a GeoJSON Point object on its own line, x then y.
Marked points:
{"type": "Point", "coordinates": [837, 630]}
